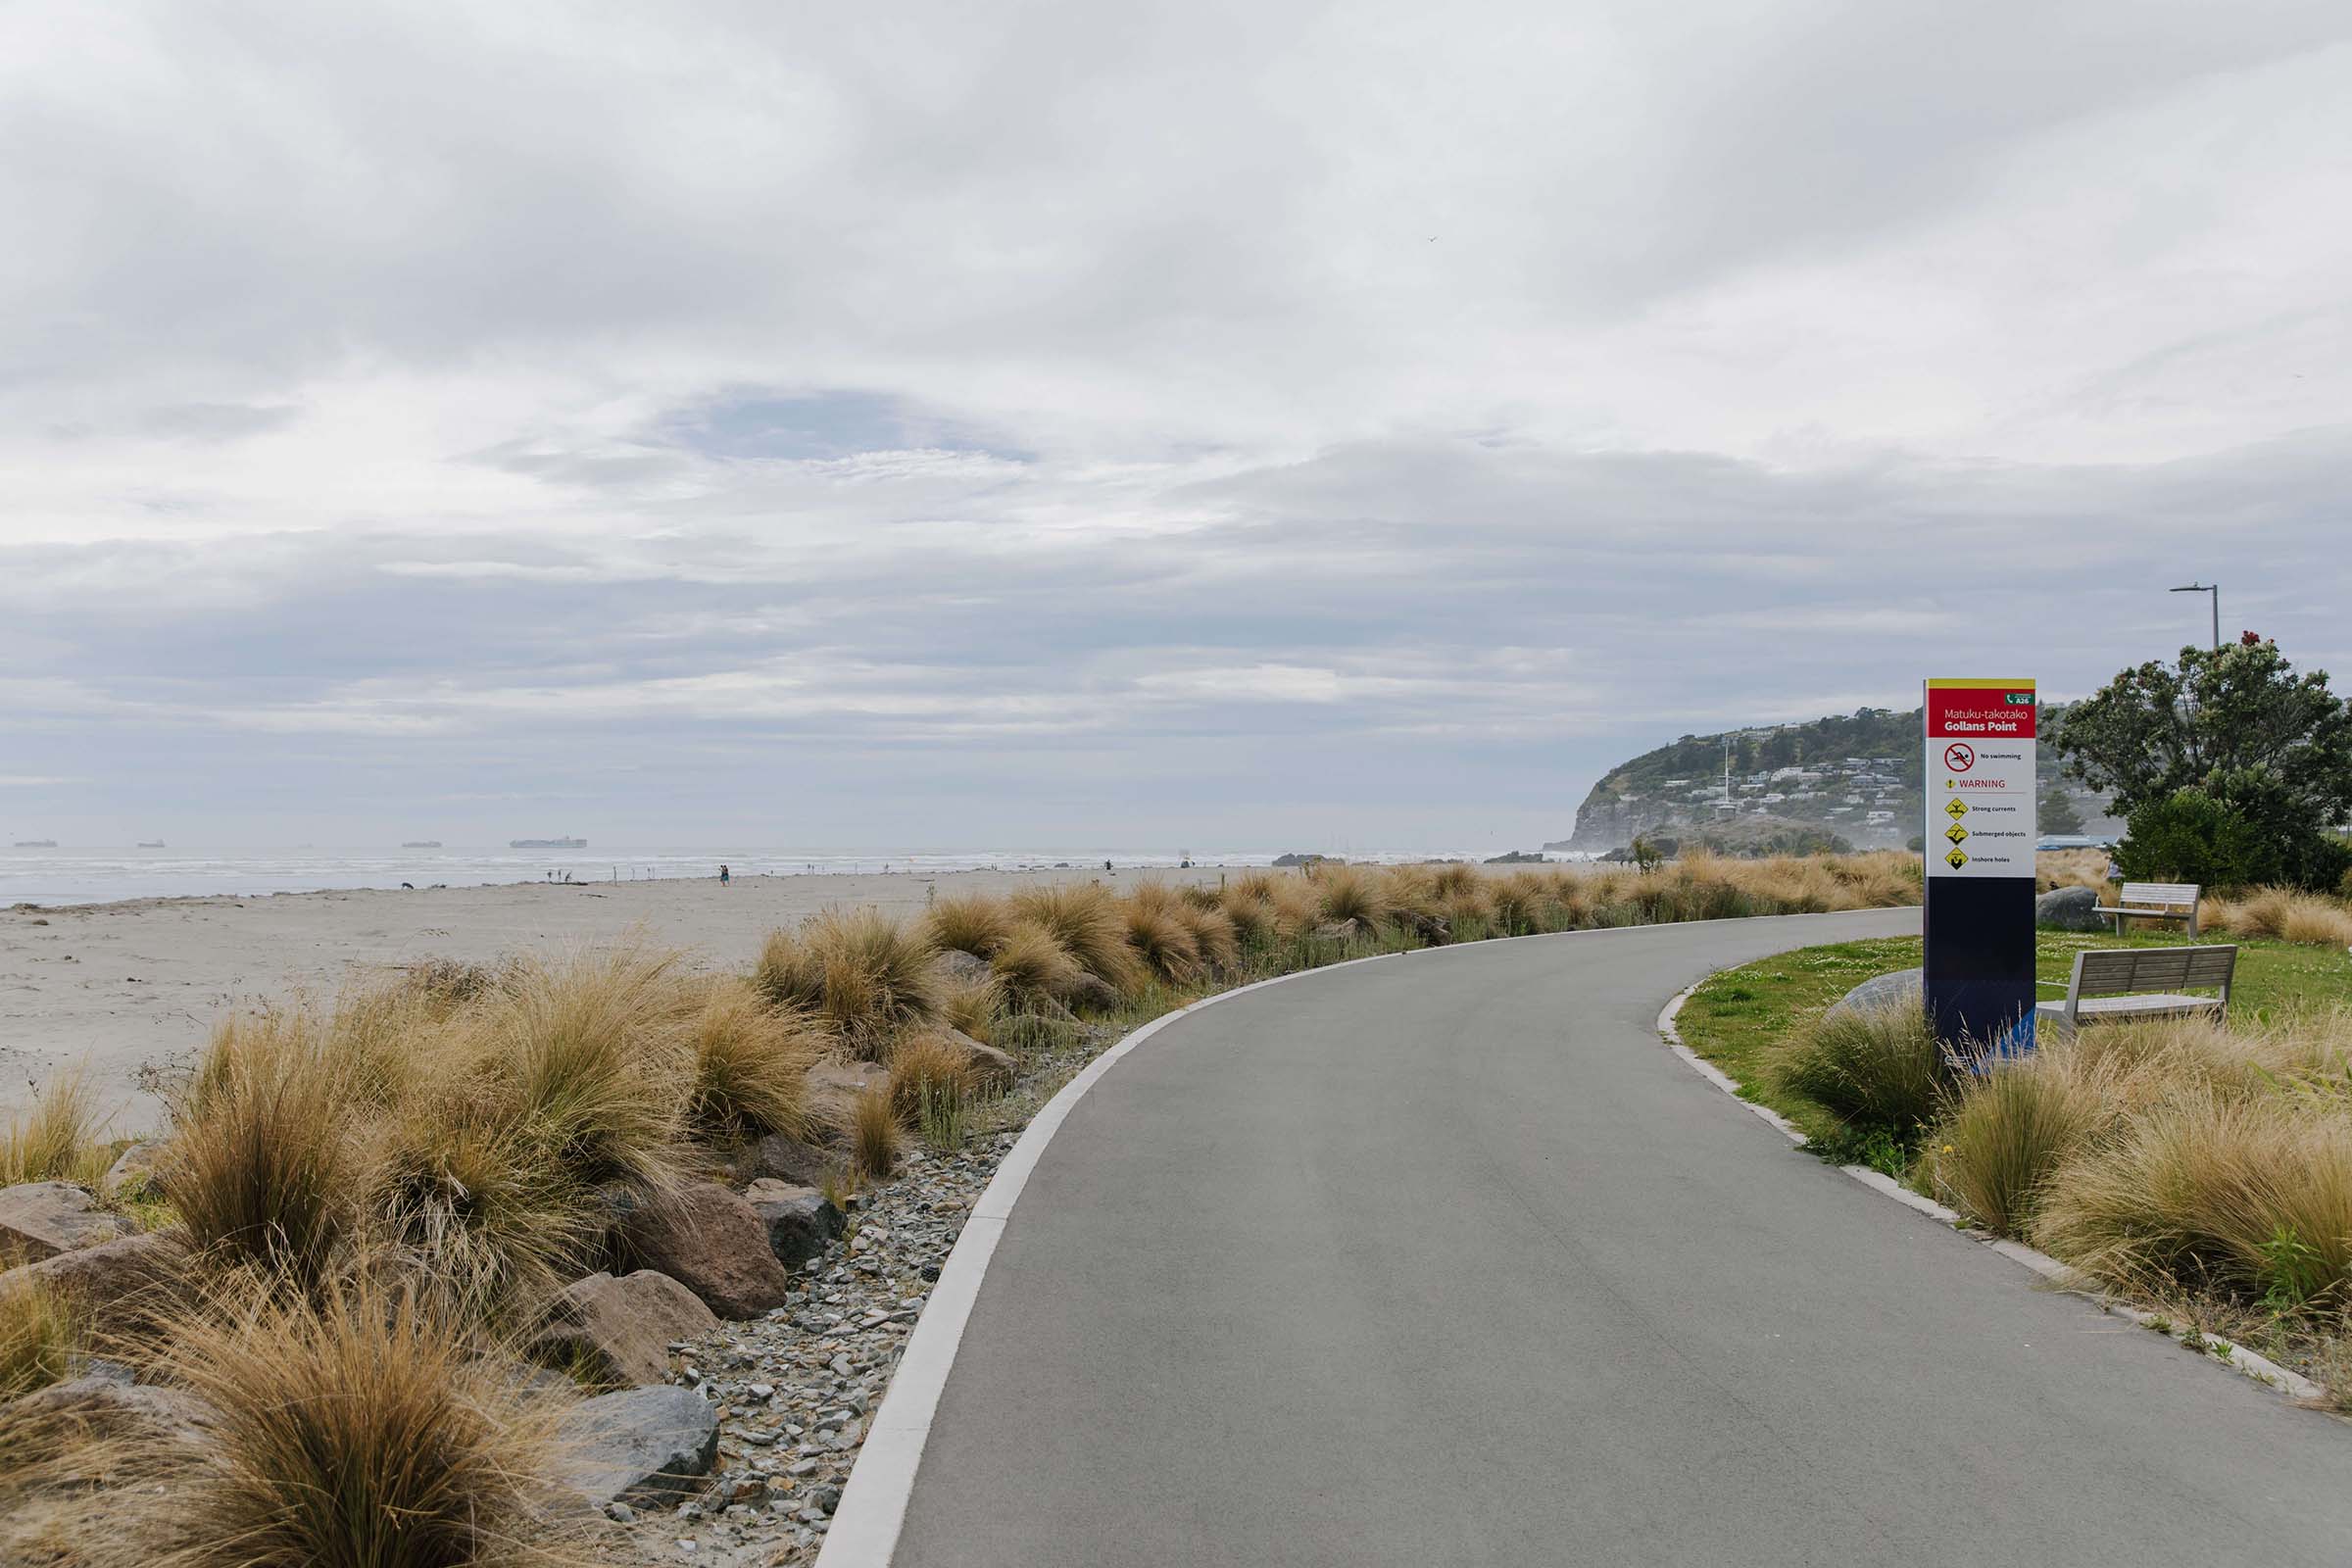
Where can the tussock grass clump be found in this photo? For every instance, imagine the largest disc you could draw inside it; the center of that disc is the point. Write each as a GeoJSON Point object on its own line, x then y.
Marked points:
{"type": "Point", "coordinates": [57, 1140]}
{"type": "Point", "coordinates": [1455, 878]}
{"type": "Point", "coordinates": [590, 1056]}
{"type": "Point", "coordinates": [973, 1009]}
{"type": "Point", "coordinates": [874, 1133]}
{"type": "Point", "coordinates": [2283, 913]}
{"type": "Point", "coordinates": [260, 1162]}
{"type": "Point", "coordinates": [750, 1067]}
{"type": "Point", "coordinates": [861, 973]}
{"type": "Point", "coordinates": [1085, 922]}
{"type": "Point", "coordinates": [2250, 1197]}
{"type": "Point", "coordinates": [972, 923]}
{"type": "Point", "coordinates": [1213, 936]}
{"type": "Point", "coordinates": [1994, 1155]}
{"type": "Point", "coordinates": [1349, 896]}
{"type": "Point", "coordinates": [922, 1061]}
{"type": "Point", "coordinates": [40, 1337]}
{"type": "Point", "coordinates": [364, 1427]}
{"type": "Point", "coordinates": [1524, 905]}
{"type": "Point", "coordinates": [1879, 1069]}
{"type": "Point", "coordinates": [1162, 941]}
{"type": "Point", "coordinates": [467, 1193]}
{"type": "Point", "coordinates": [1250, 915]}
{"type": "Point", "coordinates": [1032, 964]}
{"type": "Point", "coordinates": [932, 1082]}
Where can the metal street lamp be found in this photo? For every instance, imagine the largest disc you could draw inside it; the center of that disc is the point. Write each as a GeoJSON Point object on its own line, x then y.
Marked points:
{"type": "Point", "coordinates": [2214, 589]}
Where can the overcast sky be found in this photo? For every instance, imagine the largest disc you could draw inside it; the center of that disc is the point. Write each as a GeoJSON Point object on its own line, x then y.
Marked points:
{"type": "Point", "coordinates": [1243, 425]}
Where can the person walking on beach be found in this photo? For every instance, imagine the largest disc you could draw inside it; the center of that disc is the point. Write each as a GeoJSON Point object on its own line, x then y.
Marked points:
{"type": "Point", "coordinates": [722, 876]}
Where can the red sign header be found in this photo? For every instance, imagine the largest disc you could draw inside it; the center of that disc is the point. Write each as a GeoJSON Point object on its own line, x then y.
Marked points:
{"type": "Point", "coordinates": [1980, 713]}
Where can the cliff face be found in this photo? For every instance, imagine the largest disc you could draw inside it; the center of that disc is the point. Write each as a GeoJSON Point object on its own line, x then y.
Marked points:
{"type": "Point", "coordinates": [1852, 777]}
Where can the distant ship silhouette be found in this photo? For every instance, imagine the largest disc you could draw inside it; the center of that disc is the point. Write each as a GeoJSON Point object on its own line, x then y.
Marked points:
{"type": "Point", "coordinates": [546, 844]}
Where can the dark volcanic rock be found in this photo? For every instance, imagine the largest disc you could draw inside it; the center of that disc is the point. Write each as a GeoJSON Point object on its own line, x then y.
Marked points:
{"type": "Point", "coordinates": [800, 1220]}
{"type": "Point", "coordinates": [709, 1239]}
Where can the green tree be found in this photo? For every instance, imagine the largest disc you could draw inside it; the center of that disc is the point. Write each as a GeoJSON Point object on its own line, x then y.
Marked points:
{"type": "Point", "coordinates": [2058, 813]}
{"type": "Point", "coordinates": [2225, 721]}
{"type": "Point", "coordinates": [2261, 745]}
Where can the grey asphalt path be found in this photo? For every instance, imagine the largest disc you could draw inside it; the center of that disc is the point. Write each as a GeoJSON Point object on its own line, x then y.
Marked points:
{"type": "Point", "coordinates": [1446, 1259]}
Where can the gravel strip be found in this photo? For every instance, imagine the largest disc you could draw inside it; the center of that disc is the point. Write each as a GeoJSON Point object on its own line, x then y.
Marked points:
{"type": "Point", "coordinates": [795, 1390]}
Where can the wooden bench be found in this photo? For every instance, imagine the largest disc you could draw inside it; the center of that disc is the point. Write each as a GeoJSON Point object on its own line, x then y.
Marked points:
{"type": "Point", "coordinates": [2111, 984]}
{"type": "Point", "coordinates": [2157, 900]}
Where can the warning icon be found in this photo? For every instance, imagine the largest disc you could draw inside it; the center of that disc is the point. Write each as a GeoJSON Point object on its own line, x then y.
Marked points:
{"type": "Point", "coordinates": [1956, 860]}
{"type": "Point", "coordinates": [1955, 808]}
{"type": "Point", "coordinates": [1955, 832]}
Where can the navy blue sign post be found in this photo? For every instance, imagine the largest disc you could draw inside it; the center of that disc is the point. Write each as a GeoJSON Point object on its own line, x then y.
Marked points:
{"type": "Point", "coordinates": [1979, 883]}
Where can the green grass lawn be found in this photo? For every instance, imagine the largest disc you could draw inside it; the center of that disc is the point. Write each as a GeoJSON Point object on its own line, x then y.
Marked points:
{"type": "Point", "coordinates": [1738, 1019]}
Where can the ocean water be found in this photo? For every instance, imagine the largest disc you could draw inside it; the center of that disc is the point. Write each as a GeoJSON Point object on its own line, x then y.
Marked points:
{"type": "Point", "coordinates": [72, 874]}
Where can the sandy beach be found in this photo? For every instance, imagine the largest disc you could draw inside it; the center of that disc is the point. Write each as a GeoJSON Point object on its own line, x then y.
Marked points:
{"type": "Point", "coordinates": [129, 988]}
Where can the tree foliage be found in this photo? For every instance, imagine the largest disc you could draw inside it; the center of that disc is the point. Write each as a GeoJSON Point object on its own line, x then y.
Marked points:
{"type": "Point", "coordinates": [2263, 755]}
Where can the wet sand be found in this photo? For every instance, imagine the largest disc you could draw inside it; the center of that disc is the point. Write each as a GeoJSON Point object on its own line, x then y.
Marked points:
{"type": "Point", "coordinates": [130, 989]}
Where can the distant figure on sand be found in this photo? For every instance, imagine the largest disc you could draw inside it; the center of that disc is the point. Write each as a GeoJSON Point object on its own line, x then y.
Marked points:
{"type": "Point", "coordinates": [722, 876]}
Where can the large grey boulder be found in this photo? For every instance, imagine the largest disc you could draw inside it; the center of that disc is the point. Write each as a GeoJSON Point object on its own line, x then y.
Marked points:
{"type": "Point", "coordinates": [1905, 988]}
{"type": "Point", "coordinates": [709, 1239]}
{"type": "Point", "coordinates": [835, 1085]}
{"type": "Point", "coordinates": [965, 968]}
{"type": "Point", "coordinates": [642, 1447]}
{"type": "Point", "coordinates": [800, 1220]}
{"type": "Point", "coordinates": [789, 1161]}
{"type": "Point", "coordinates": [992, 1068]}
{"type": "Point", "coordinates": [41, 1219]}
{"type": "Point", "coordinates": [119, 1287]}
{"type": "Point", "coordinates": [133, 1174]}
{"type": "Point", "coordinates": [617, 1331]}
{"type": "Point", "coordinates": [101, 1404]}
{"type": "Point", "coordinates": [2069, 909]}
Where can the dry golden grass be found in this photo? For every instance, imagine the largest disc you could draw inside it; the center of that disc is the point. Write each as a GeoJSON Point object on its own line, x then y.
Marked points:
{"type": "Point", "coordinates": [750, 1067]}
{"type": "Point", "coordinates": [1161, 941]}
{"type": "Point", "coordinates": [1453, 879]}
{"type": "Point", "coordinates": [973, 1009]}
{"type": "Point", "coordinates": [1213, 935]}
{"type": "Point", "coordinates": [589, 1053]}
{"type": "Point", "coordinates": [1088, 924]}
{"type": "Point", "coordinates": [857, 971]}
{"type": "Point", "coordinates": [467, 1194]}
{"type": "Point", "coordinates": [2283, 913]}
{"type": "Point", "coordinates": [2071, 868]}
{"type": "Point", "coordinates": [41, 1336]}
{"type": "Point", "coordinates": [57, 1140]}
{"type": "Point", "coordinates": [2171, 1156]}
{"type": "Point", "coordinates": [1879, 1069]}
{"type": "Point", "coordinates": [1993, 1157]}
{"type": "Point", "coordinates": [366, 1426]}
{"type": "Point", "coordinates": [972, 923]}
{"type": "Point", "coordinates": [261, 1161]}
{"type": "Point", "coordinates": [2251, 1198]}
{"type": "Point", "coordinates": [874, 1133]}
{"type": "Point", "coordinates": [1031, 964]}
{"type": "Point", "coordinates": [927, 1065]}
{"type": "Point", "coordinates": [1350, 896]}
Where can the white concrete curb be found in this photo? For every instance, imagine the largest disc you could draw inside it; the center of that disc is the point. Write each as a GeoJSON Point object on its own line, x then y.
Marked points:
{"type": "Point", "coordinates": [864, 1532]}
{"type": "Point", "coordinates": [2262, 1370]}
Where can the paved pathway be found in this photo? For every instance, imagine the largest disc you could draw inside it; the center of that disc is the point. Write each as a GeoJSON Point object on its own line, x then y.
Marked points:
{"type": "Point", "coordinates": [1444, 1259]}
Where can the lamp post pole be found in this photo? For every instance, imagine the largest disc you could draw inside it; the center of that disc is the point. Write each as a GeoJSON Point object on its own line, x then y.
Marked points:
{"type": "Point", "coordinates": [2214, 590]}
